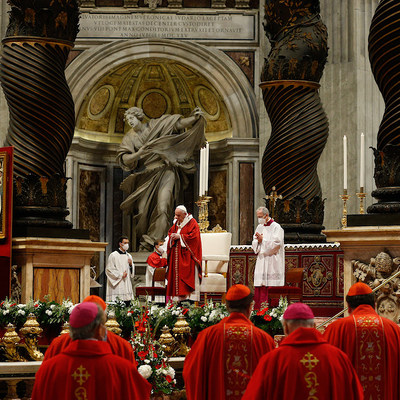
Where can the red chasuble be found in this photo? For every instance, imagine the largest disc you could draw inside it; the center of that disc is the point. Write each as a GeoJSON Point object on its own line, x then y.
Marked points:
{"type": "Point", "coordinates": [304, 367]}
{"type": "Point", "coordinates": [156, 261]}
{"type": "Point", "coordinates": [223, 358]}
{"type": "Point", "coordinates": [88, 370]}
{"type": "Point", "coordinates": [373, 346]}
{"type": "Point", "coordinates": [118, 346]}
{"type": "Point", "coordinates": [184, 262]}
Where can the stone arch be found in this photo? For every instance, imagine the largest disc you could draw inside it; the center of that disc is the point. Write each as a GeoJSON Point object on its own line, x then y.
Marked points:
{"type": "Point", "coordinates": [220, 70]}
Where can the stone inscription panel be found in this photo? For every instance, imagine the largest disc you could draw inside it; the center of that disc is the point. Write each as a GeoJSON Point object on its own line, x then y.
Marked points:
{"type": "Point", "coordinates": [237, 27]}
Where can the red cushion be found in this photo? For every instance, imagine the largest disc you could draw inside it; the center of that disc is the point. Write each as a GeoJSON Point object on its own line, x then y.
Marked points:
{"type": "Point", "coordinates": [283, 290]}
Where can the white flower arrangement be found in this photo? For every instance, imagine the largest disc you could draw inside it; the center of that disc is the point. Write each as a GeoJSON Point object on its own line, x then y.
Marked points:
{"type": "Point", "coordinates": [145, 371]}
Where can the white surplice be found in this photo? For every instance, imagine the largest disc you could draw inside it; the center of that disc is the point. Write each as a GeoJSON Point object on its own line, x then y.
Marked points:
{"type": "Point", "coordinates": [118, 287]}
{"type": "Point", "coordinates": [270, 264]}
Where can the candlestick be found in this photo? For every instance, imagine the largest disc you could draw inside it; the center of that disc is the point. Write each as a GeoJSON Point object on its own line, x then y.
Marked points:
{"type": "Point", "coordinates": [344, 197]}
{"type": "Point", "coordinates": [362, 162]}
{"type": "Point", "coordinates": [345, 162]}
{"type": "Point", "coordinates": [361, 196]}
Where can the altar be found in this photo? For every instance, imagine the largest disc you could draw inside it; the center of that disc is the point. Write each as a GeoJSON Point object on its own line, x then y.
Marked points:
{"type": "Point", "coordinates": [322, 284]}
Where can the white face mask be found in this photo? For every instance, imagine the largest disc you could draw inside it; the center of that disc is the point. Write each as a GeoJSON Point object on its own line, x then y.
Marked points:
{"type": "Point", "coordinates": [125, 246]}
{"type": "Point", "coordinates": [160, 249]}
{"type": "Point", "coordinates": [261, 221]}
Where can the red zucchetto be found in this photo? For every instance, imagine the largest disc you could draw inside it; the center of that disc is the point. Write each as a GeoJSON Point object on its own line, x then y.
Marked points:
{"type": "Point", "coordinates": [237, 292]}
{"type": "Point", "coordinates": [358, 289]}
{"type": "Point", "coordinates": [298, 311]}
{"type": "Point", "coordinates": [96, 299]}
{"type": "Point", "coordinates": [83, 314]}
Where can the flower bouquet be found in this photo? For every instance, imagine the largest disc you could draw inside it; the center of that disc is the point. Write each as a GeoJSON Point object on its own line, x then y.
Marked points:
{"type": "Point", "coordinates": [152, 363]}
{"type": "Point", "coordinates": [269, 320]}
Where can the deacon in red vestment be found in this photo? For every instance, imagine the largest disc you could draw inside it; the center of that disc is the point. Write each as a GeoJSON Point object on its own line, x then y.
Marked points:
{"type": "Point", "coordinates": [87, 369]}
{"type": "Point", "coordinates": [184, 257]}
{"type": "Point", "coordinates": [118, 346]}
{"type": "Point", "coordinates": [305, 366]}
{"type": "Point", "coordinates": [371, 342]}
{"type": "Point", "coordinates": [224, 356]}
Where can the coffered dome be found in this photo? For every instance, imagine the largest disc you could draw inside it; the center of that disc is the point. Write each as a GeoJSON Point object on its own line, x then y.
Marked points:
{"type": "Point", "coordinates": [159, 86]}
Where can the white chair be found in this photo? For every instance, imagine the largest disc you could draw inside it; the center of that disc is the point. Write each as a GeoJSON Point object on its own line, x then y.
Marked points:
{"type": "Point", "coordinates": [216, 249]}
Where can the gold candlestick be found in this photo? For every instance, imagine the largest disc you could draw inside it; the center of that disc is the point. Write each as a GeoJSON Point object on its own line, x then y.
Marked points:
{"type": "Point", "coordinates": [202, 203]}
{"type": "Point", "coordinates": [344, 197]}
{"type": "Point", "coordinates": [361, 196]}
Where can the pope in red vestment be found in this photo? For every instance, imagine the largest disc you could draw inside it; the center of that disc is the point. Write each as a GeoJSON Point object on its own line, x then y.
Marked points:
{"type": "Point", "coordinates": [184, 256]}
{"type": "Point", "coordinates": [224, 356]}
{"type": "Point", "coordinates": [371, 342]}
{"type": "Point", "coordinates": [304, 367]}
{"type": "Point", "coordinates": [88, 370]}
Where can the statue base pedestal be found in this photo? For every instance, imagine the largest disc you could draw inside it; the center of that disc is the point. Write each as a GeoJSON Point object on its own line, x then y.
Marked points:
{"type": "Point", "coordinates": [57, 267]}
{"type": "Point", "coordinates": [363, 243]}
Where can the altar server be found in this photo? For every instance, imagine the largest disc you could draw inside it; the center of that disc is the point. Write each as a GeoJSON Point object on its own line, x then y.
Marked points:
{"type": "Point", "coordinates": [118, 345]}
{"type": "Point", "coordinates": [305, 366]}
{"type": "Point", "coordinates": [87, 369]}
{"type": "Point", "coordinates": [120, 269]}
{"type": "Point", "coordinates": [270, 265]}
{"type": "Point", "coordinates": [224, 356]}
{"type": "Point", "coordinates": [371, 342]}
{"type": "Point", "coordinates": [156, 260]}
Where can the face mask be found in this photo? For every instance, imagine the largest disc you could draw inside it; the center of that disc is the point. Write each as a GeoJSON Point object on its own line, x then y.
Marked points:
{"type": "Point", "coordinates": [261, 221]}
{"type": "Point", "coordinates": [125, 246]}
{"type": "Point", "coordinates": [160, 249]}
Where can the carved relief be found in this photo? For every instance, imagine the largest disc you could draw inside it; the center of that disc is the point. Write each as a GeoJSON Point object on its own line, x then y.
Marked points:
{"type": "Point", "coordinates": [373, 274]}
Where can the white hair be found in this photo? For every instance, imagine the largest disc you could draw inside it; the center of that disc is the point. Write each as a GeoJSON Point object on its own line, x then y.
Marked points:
{"type": "Point", "coordinates": [264, 210]}
{"type": "Point", "coordinates": [182, 208]}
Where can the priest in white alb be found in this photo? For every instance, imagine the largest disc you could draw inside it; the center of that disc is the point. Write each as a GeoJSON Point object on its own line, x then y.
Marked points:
{"type": "Point", "coordinates": [120, 269]}
{"type": "Point", "coordinates": [270, 265]}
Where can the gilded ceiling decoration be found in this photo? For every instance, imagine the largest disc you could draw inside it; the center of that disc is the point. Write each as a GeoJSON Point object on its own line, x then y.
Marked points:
{"type": "Point", "coordinates": [157, 85]}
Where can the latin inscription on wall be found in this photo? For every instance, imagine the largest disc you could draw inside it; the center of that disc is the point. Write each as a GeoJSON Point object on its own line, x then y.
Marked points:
{"type": "Point", "coordinates": [234, 26]}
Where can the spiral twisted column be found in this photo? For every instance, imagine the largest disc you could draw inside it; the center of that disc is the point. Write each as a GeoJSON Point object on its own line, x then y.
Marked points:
{"type": "Point", "coordinates": [42, 117]}
{"type": "Point", "coordinates": [298, 137]}
{"type": "Point", "coordinates": [384, 54]}
{"type": "Point", "coordinates": [38, 40]}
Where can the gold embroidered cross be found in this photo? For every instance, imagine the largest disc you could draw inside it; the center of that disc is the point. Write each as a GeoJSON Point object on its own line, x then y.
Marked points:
{"type": "Point", "coordinates": [81, 375]}
{"type": "Point", "coordinates": [308, 361]}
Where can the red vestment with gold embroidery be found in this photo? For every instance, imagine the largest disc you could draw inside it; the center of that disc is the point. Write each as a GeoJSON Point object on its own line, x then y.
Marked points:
{"type": "Point", "coordinates": [88, 370]}
{"type": "Point", "coordinates": [304, 367]}
{"type": "Point", "coordinates": [119, 346]}
{"type": "Point", "coordinates": [373, 346]}
{"type": "Point", "coordinates": [223, 358]}
{"type": "Point", "coordinates": [184, 261]}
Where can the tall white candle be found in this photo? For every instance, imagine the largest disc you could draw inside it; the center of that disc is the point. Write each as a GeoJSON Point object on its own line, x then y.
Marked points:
{"type": "Point", "coordinates": [207, 166]}
{"type": "Point", "coordinates": [201, 179]}
{"type": "Point", "coordinates": [362, 161]}
{"type": "Point", "coordinates": [345, 162]}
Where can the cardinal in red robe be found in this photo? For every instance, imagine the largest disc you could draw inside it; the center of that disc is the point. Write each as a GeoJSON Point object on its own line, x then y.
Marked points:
{"type": "Point", "coordinates": [118, 345]}
{"type": "Point", "coordinates": [224, 356]}
{"type": "Point", "coordinates": [87, 369]}
{"type": "Point", "coordinates": [305, 366]}
{"type": "Point", "coordinates": [184, 257]}
{"type": "Point", "coordinates": [371, 342]}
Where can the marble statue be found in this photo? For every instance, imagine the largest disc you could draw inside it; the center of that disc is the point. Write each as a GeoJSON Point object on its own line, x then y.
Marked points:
{"type": "Point", "coordinates": [379, 269]}
{"type": "Point", "coordinates": [159, 155]}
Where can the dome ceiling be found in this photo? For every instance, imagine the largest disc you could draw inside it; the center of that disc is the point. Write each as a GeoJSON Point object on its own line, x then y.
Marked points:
{"type": "Point", "coordinates": [159, 86]}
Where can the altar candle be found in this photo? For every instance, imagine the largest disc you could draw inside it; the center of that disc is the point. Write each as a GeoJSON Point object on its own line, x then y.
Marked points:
{"type": "Point", "coordinates": [362, 161]}
{"type": "Point", "coordinates": [345, 162]}
{"type": "Point", "coordinates": [207, 162]}
{"type": "Point", "coordinates": [201, 172]}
